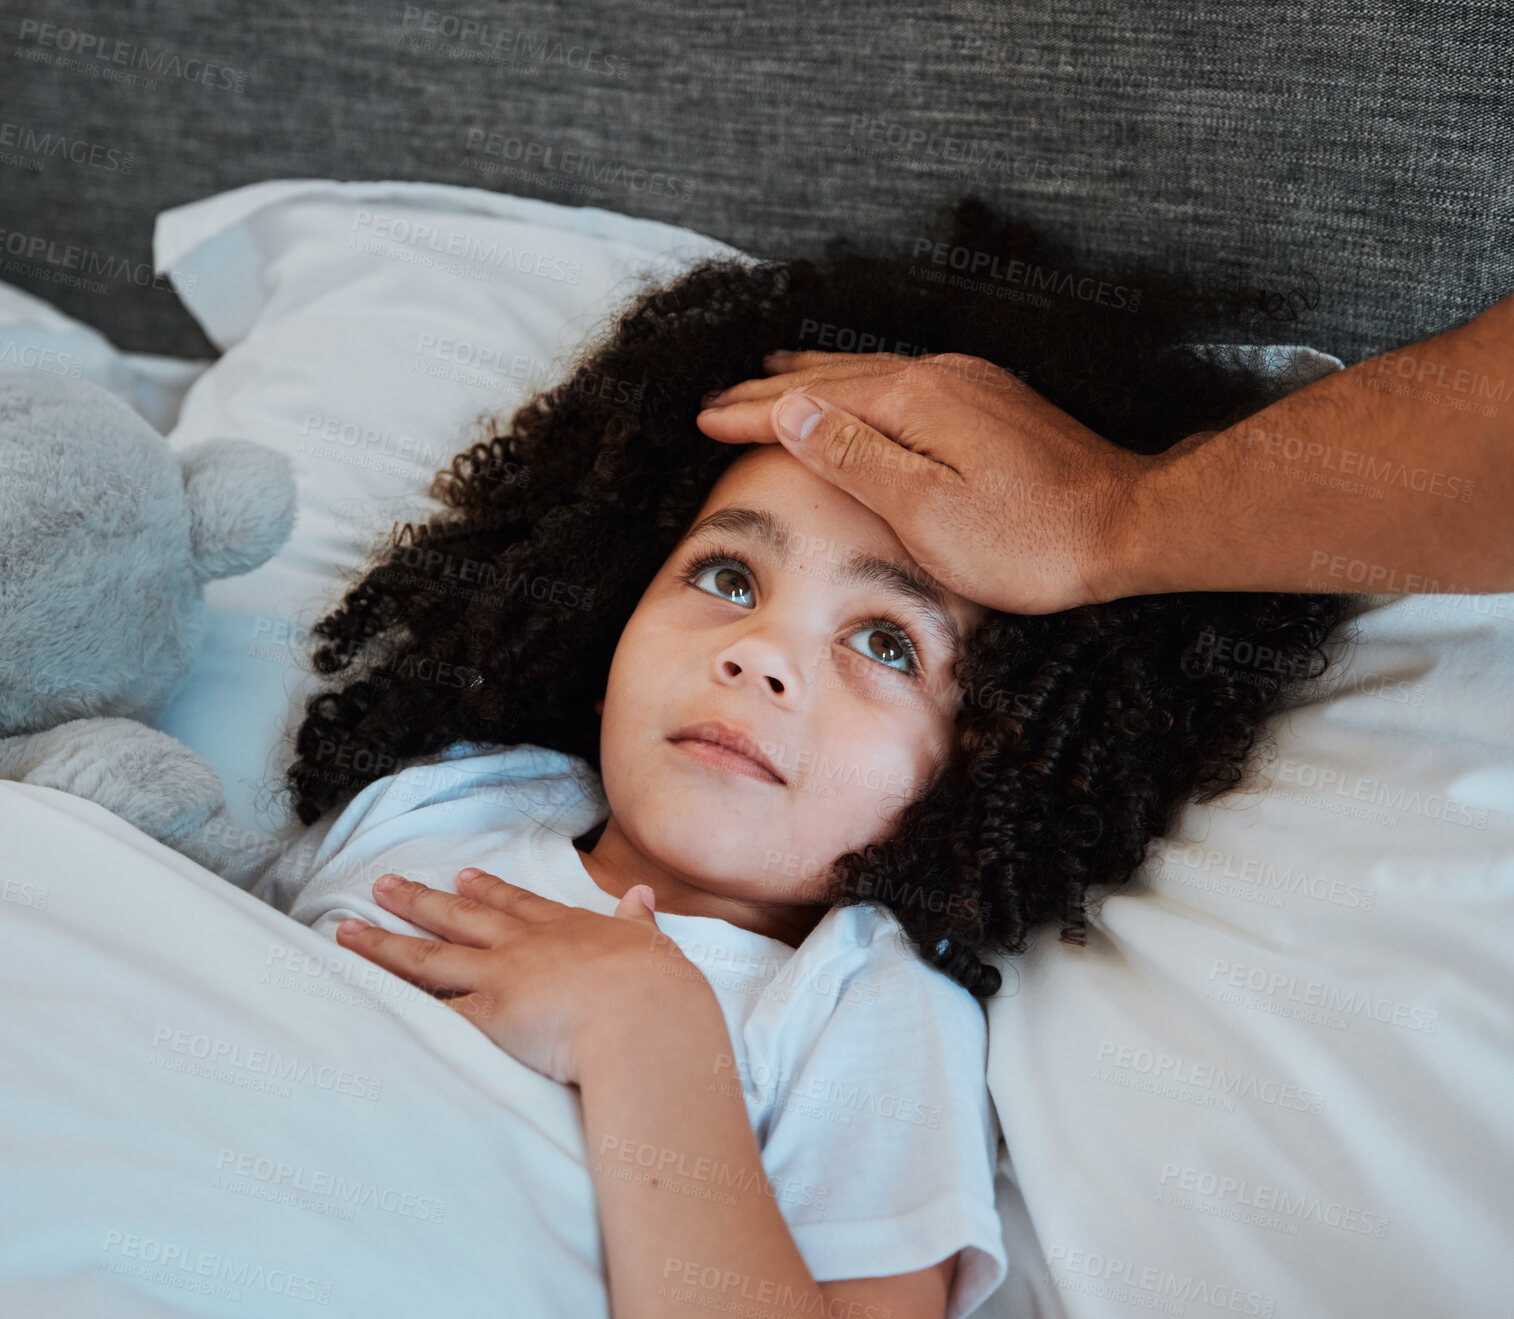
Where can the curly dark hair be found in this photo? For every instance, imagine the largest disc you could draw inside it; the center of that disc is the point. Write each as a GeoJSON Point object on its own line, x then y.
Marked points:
{"type": "Point", "coordinates": [1080, 734]}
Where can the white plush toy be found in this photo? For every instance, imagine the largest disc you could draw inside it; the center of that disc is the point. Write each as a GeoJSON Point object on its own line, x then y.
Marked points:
{"type": "Point", "coordinates": [107, 538]}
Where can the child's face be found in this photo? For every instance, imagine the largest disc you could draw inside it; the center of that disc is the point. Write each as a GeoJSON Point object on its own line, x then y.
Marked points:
{"type": "Point", "coordinates": [782, 649]}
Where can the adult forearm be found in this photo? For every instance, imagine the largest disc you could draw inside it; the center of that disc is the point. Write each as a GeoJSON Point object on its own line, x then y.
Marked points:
{"type": "Point", "coordinates": [689, 1224]}
{"type": "Point", "coordinates": [1393, 475]}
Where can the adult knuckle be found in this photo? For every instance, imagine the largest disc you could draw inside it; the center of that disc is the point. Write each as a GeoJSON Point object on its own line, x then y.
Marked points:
{"type": "Point", "coordinates": [847, 446]}
{"type": "Point", "coordinates": [937, 379]}
{"type": "Point", "coordinates": [899, 391]}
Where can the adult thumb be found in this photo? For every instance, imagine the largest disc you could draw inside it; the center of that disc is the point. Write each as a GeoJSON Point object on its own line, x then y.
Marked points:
{"type": "Point", "coordinates": [846, 451]}
{"type": "Point", "coordinates": [638, 903]}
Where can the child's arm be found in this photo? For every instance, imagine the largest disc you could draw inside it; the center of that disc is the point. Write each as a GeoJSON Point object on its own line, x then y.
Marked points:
{"type": "Point", "coordinates": [590, 1000]}
{"type": "Point", "coordinates": [688, 1222]}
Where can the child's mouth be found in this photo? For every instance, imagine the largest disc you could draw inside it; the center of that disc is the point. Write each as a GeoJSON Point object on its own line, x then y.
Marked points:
{"type": "Point", "coordinates": [719, 757]}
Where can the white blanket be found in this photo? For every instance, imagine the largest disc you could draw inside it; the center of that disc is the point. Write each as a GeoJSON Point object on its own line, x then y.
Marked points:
{"type": "Point", "coordinates": [209, 1109]}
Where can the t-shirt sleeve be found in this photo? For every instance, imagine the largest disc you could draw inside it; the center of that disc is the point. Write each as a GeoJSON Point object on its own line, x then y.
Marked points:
{"type": "Point", "coordinates": [405, 822]}
{"type": "Point", "coordinates": [882, 1141]}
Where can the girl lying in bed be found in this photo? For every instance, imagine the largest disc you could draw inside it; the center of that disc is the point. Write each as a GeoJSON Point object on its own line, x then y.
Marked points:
{"type": "Point", "coordinates": [627, 659]}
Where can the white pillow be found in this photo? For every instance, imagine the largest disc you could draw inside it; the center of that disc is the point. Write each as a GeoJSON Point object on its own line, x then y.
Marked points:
{"type": "Point", "coordinates": [1279, 1078]}
{"type": "Point", "coordinates": [365, 327]}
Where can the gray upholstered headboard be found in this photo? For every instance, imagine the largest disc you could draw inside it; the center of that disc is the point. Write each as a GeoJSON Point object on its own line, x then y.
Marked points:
{"type": "Point", "coordinates": [1367, 145]}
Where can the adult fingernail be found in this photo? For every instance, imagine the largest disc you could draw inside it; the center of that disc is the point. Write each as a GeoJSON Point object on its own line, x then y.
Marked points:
{"type": "Point", "coordinates": [797, 415]}
{"type": "Point", "coordinates": [384, 883]}
{"type": "Point", "coordinates": [351, 926]}
{"type": "Point", "coordinates": [469, 872]}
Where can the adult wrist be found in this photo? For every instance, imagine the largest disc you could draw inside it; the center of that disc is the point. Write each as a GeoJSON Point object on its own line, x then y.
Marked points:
{"type": "Point", "coordinates": [1152, 504]}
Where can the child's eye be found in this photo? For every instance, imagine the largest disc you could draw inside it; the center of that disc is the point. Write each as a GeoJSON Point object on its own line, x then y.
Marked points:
{"type": "Point", "coordinates": [732, 579]}
{"type": "Point", "coordinates": [727, 569]}
{"type": "Point", "coordinates": [898, 641]}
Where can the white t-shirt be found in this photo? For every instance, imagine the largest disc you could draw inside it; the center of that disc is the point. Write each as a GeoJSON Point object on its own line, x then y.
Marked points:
{"type": "Point", "coordinates": [863, 1068]}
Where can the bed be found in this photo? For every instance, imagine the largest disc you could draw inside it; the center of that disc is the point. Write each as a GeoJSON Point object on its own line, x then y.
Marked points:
{"type": "Point", "coordinates": [1277, 1080]}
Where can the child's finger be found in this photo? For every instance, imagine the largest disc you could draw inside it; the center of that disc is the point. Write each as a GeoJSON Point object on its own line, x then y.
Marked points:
{"type": "Point", "coordinates": [480, 886]}
{"type": "Point", "coordinates": [425, 963]}
{"type": "Point", "coordinates": [460, 919]}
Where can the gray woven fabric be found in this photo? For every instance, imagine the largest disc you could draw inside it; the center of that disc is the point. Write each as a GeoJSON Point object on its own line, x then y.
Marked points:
{"type": "Point", "coordinates": [1366, 144]}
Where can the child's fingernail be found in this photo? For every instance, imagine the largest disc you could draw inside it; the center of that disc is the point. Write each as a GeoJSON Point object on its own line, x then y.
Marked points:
{"type": "Point", "coordinates": [351, 926]}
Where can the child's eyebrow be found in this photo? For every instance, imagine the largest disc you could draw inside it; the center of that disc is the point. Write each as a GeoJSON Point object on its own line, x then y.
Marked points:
{"type": "Point", "coordinates": [861, 568]}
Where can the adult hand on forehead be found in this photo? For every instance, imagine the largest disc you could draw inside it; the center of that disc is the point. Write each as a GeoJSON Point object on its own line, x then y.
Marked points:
{"type": "Point", "coordinates": [995, 492]}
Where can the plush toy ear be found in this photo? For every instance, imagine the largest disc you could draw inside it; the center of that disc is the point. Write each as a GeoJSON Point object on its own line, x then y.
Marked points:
{"type": "Point", "coordinates": [241, 505]}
